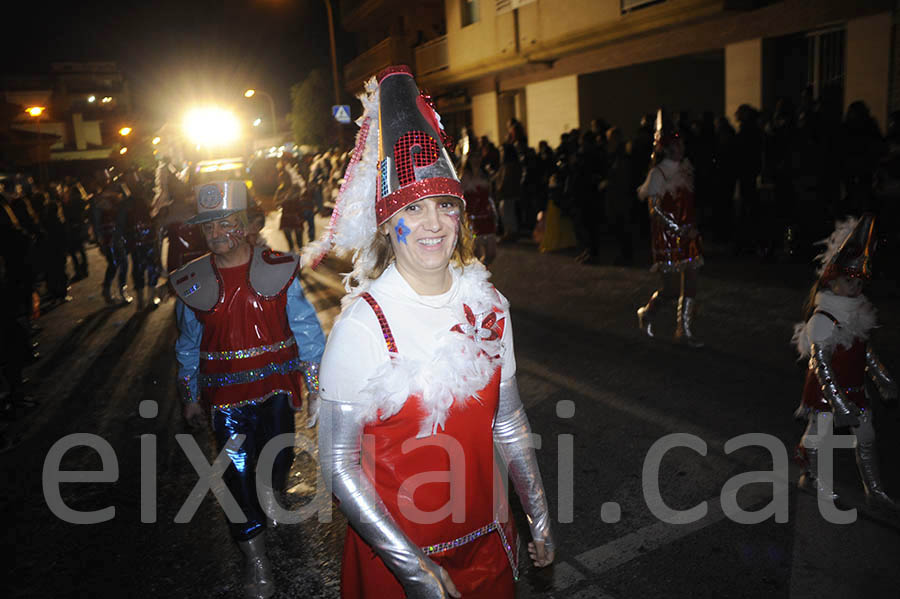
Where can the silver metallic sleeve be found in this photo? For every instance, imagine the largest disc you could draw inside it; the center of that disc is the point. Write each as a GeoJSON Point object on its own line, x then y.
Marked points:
{"type": "Point", "coordinates": [667, 218]}
{"type": "Point", "coordinates": [845, 412]}
{"type": "Point", "coordinates": [512, 436]}
{"type": "Point", "coordinates": [887, 386]}
{"type": "Point", "coordinates": [340, 432]}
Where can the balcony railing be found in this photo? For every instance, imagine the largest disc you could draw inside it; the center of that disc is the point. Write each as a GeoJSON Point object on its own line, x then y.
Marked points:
{"type": "Point", "coordinates": [432, 57]}
{"type": "Point", "coordinates": [389, 51]}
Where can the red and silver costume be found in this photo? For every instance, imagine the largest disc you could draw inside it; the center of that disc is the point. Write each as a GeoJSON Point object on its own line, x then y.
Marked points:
{"type": "Point", "coordinates": [674, 238]}
{"type": "Point", "coordinates": [835, 341]}
{"type": "Point", "coordinates": [246, 337]}
{"type": "Point", "coordinates": [417, 390]}
{"type": "Point", "coordinates": [675, 244]}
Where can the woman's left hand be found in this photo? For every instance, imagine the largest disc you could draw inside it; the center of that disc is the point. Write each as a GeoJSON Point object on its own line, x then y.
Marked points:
{"type": "Point", "coordinates": [541, 554]}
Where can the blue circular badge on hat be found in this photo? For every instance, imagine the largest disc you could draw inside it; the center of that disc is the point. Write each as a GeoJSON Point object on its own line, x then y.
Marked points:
{"type": "Point", "coordinates": [209, 197]}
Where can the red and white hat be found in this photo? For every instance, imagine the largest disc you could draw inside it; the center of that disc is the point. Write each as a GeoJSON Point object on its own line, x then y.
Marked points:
{"type": "Point", "coordinates": [399, 158]}
{"type": "Point", "coordinates": [848, 250]}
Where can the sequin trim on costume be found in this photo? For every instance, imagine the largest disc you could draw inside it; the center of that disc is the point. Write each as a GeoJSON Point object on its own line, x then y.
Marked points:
{"type": "Point", "coordinates": [184, 390]}
{"type": "Point", "coordinates": [257, 400]}
{"type": "Point", "coordinates": [311, 375]}
{"type": "Point", "coordinates": [251, 352]}
{"type": "Point", "coordinates": [382, 321]}
{"type": "Point", "coordinates": [475, 534]}
{"type": "Point", "coordinates": [226, 379]}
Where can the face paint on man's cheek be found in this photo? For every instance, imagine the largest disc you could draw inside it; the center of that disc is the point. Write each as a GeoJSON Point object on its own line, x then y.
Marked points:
{"type": "Point", "coordinates": [402, 231]}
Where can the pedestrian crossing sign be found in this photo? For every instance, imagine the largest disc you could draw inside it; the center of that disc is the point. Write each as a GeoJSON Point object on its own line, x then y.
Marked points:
{"type": "Point", "coordinates": [341, 113]}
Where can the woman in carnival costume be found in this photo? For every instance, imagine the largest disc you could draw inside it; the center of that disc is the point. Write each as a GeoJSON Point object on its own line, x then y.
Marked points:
{"type": "Point", "coordinates": [835, 340]}
{"type": "Point", "coordinates": [418, 379]}
{"type": "Point", "coordinates": [675, 240]}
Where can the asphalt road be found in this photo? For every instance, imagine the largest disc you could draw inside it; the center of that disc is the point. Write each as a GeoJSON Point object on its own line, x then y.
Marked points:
{"type": "Point", "coordinates": [597, 393]}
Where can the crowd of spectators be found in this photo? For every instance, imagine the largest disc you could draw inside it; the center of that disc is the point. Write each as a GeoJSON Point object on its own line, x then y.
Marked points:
{"type": "Point", "coordinates": [772, 186]}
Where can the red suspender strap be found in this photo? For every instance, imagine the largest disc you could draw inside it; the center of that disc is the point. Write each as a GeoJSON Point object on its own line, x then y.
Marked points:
{"type": "Point", "coordinates": [828, 316]}
{"type": "Point", "coordinates": [382, 321]}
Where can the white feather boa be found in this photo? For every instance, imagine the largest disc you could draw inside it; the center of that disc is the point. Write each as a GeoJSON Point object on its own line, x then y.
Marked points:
{"type": "Point", "coordinates": [461, 367]}
{"type": "Point", "coordinates": [856, 315]}
{"type": "Point", "coordinates": [679, 177]}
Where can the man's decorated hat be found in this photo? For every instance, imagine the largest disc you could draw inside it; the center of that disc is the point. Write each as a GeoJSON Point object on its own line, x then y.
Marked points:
{"type": "Point", "coordinates": [399, 158]}
{"type": "Point", "coordinates": [219, 199]}
{"type": "Point", "coordinates": [848, 250]}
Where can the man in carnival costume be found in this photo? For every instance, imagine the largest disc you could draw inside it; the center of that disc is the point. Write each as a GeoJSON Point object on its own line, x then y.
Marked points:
{"type": "Point", "coordinates": [675, 240]}
{"type": "Point", "coordinates": [418, 378]}
{"type": "Point", "coordinates": [246, 337]}
{"type": "Point", "coordinates": [835, 340]}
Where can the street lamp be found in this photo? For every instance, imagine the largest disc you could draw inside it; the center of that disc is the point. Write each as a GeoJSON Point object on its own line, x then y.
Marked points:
{"type": "Point", "coordinates": [36, 112]}
{"type": "Point", "coordinates": [252, 92]}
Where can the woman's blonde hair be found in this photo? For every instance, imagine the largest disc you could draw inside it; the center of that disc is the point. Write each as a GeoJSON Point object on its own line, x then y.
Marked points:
{"type": "Point", "coordinates": [463, 253]}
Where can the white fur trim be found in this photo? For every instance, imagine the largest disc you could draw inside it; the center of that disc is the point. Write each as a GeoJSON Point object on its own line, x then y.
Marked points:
{"type": "Point", "coordinates": [680, 177]}
{"type": "Point", "coordinates": [461, 367]}
{"type": "Point", "coordinates": [856, 315]}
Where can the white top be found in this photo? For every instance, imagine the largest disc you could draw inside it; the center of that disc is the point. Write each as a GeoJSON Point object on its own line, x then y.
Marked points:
{"type": "Point", "coordinates": [431, 359]}
{"type": "Point", "coordinates": [856, 315]}
{"type": "Point", "coordinates": [668, 175]}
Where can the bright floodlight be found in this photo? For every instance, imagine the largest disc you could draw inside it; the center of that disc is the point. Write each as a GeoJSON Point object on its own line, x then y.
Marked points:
{"type": "Point", "coordinates": [257, 122]}
{"type": "Point", "coordinates": [124, 131]}
{"type": "Point", "coordinates": [211, 126]}
{"type": "Point", "coordinates": [249, 93]}
{"type": "Point", "coordinates": [156, 140]}
{"type": "Point", "coordinates": [35, 110]}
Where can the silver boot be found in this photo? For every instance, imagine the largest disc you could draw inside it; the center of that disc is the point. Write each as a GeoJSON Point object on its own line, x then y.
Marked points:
{"type": "Point", "coordinates": [810, 481]}
{"type": "Point", "coordinates": [647, 313]}
{"type": "Point", "coordinates": [867, 462]}
{"type": "Point", "coordinates": [258, 581]}
{"type": "Point", "coordinates": [686, 308]}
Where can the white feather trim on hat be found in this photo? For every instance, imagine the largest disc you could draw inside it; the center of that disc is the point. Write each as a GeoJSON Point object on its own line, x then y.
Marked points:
{"type": "Point", "coordinates": [353, 225]}
{"type": "Point", "coordinates": [833, 242]}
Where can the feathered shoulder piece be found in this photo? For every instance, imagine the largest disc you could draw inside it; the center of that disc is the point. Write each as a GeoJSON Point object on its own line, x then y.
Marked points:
{"type": "Point", "coordinates": [855, 316]}
{"type": "Point", "coordinates": [676, 175]}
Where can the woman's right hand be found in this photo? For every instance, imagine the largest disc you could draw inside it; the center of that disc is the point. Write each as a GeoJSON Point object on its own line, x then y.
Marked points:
{"type": "Point", "coordinates": [432, 582]}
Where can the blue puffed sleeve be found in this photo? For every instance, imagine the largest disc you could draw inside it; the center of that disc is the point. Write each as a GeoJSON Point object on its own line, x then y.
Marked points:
{"type": "Point", "coordinates": [187, 351]}
{"type": "Point", "coordinates": [308, 334]}
{"type": "Point", "coordinates": [304, 324]}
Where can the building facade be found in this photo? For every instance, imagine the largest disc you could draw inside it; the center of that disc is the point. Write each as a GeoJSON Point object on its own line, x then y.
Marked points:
{"type": "Point", "coordinates": [85, 106]}
{"type": "Point", "coordinates": [558, 64]}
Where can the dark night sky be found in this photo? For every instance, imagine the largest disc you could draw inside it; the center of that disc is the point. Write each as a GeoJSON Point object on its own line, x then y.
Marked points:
{"type": "Point", "coordinates": [175, 52]}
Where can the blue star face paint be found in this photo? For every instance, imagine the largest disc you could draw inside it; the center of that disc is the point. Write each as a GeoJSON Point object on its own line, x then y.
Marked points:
{"type": "Point", "coordinates": [402, 231]}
